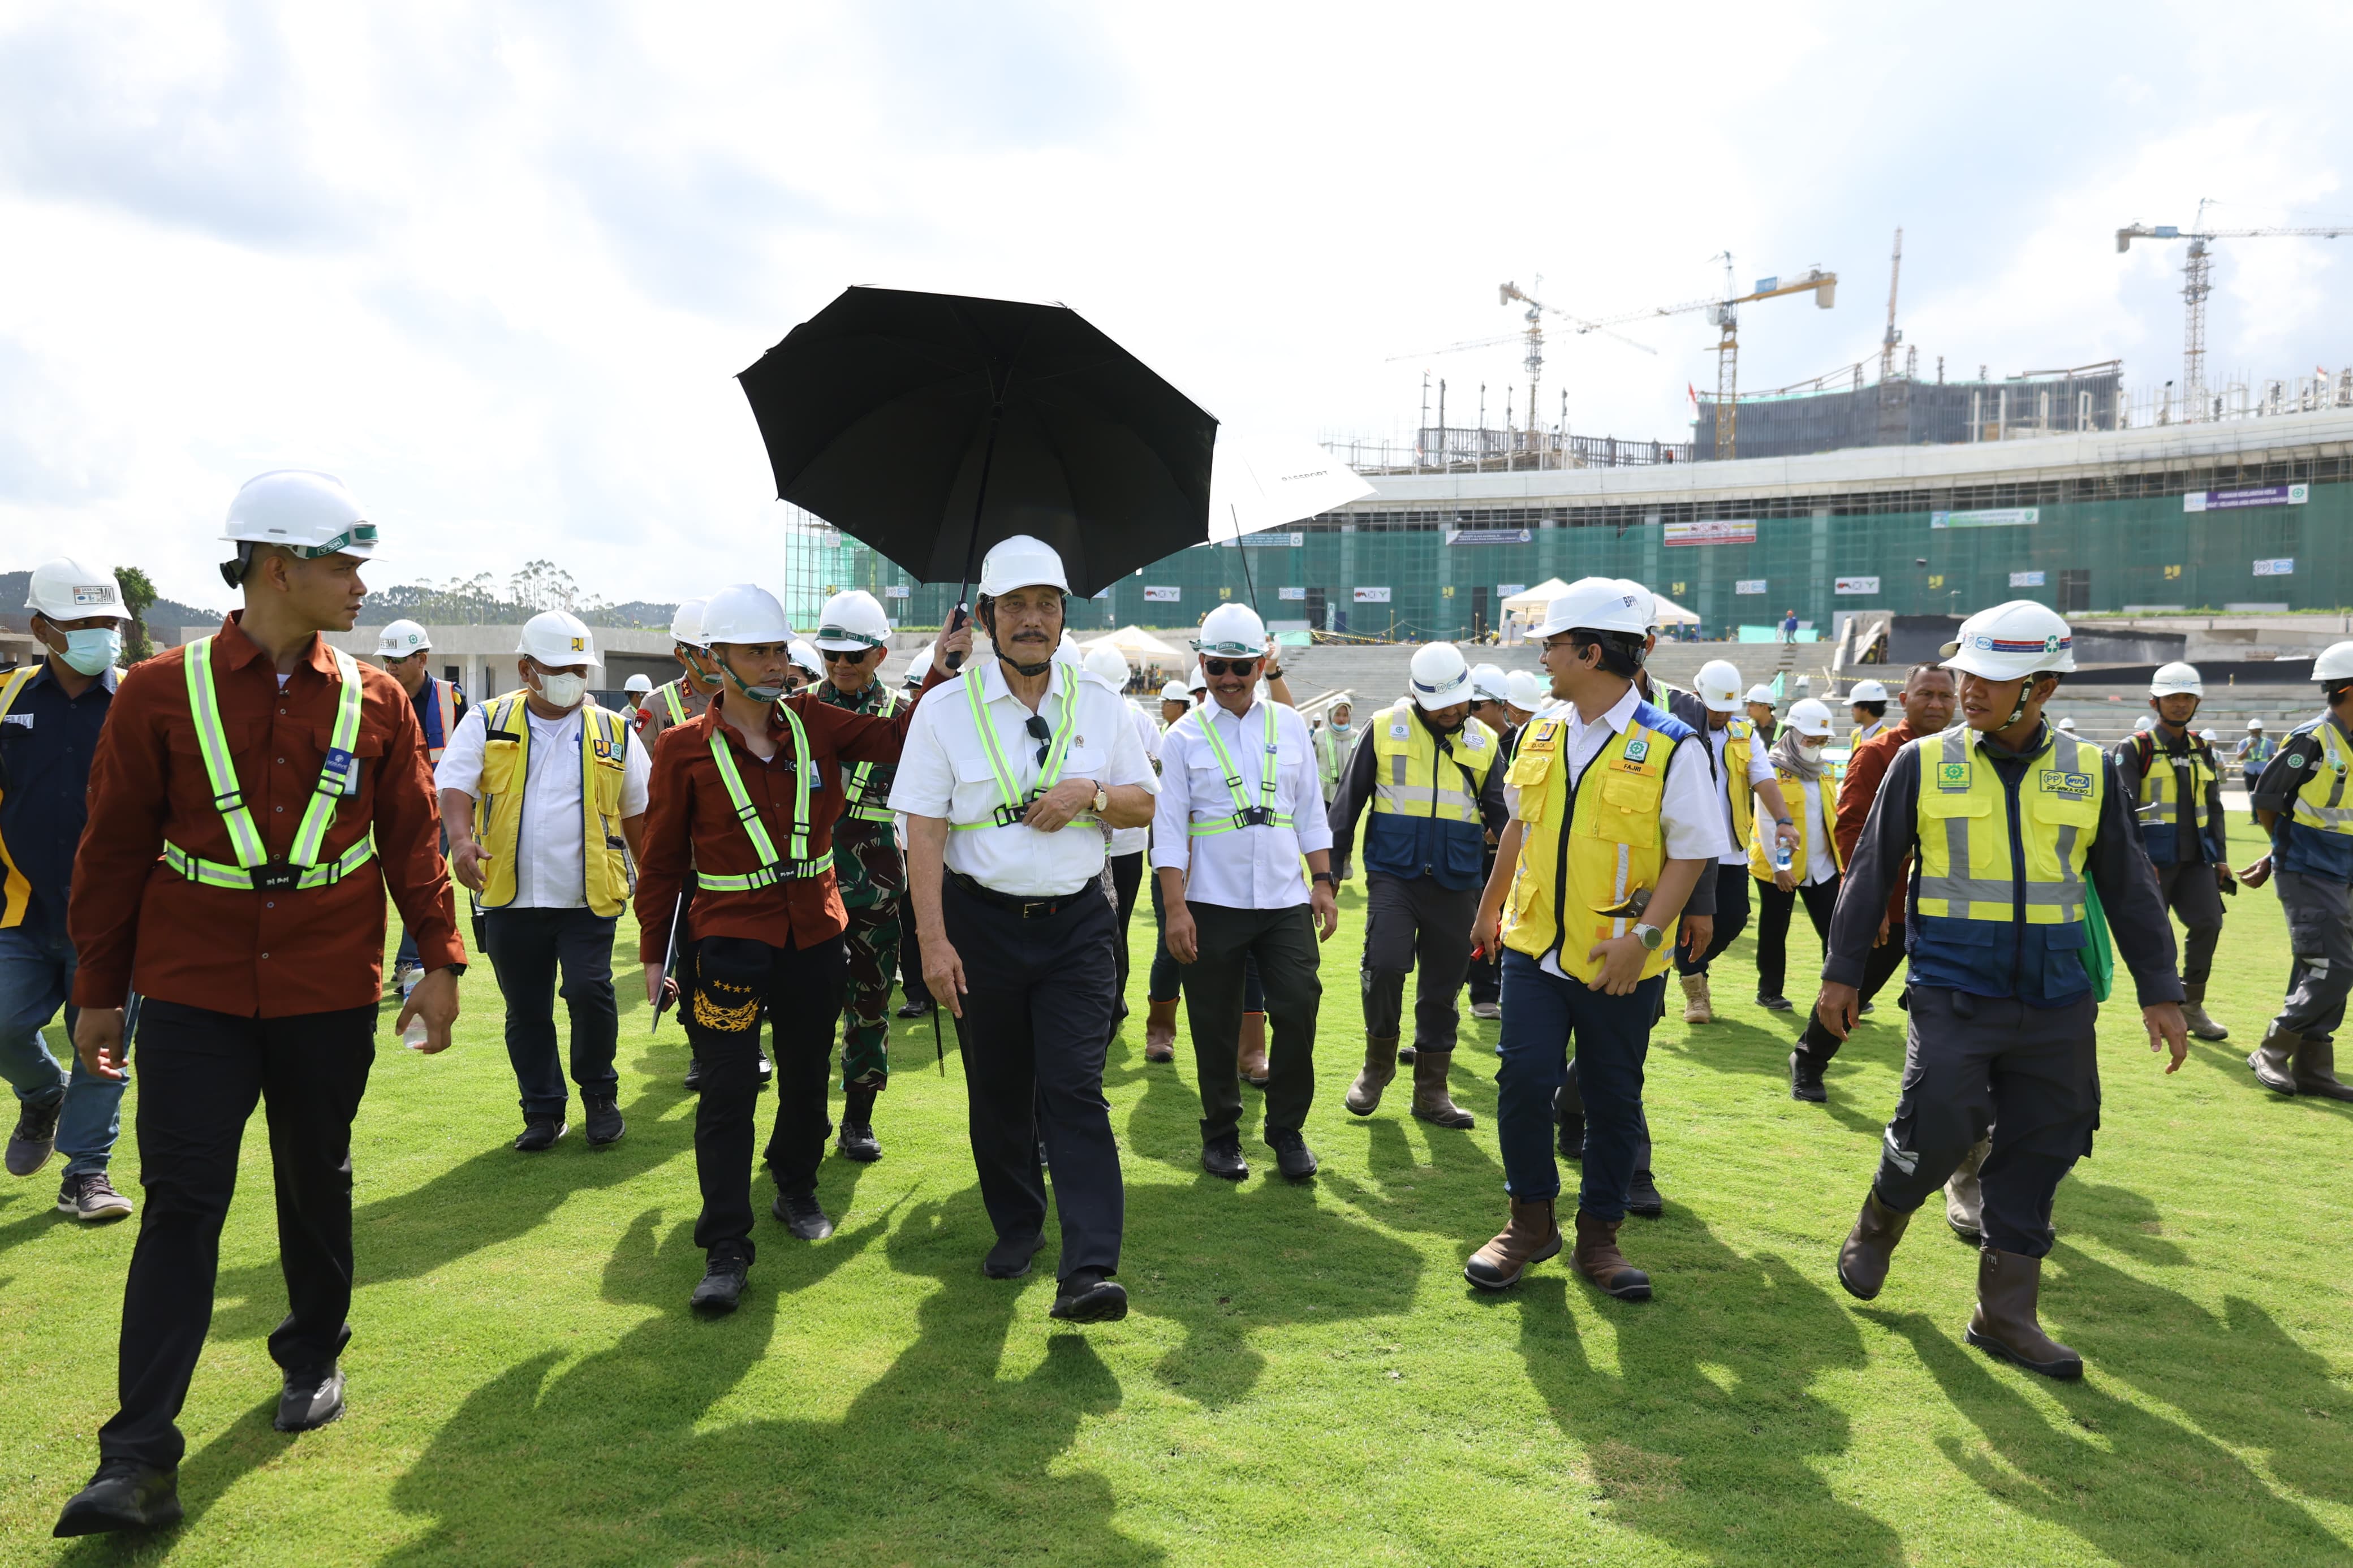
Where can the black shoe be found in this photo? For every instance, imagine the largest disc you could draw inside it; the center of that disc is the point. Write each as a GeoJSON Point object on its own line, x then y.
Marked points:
{"type": "Point", "coordinates": [604, 1124]}
{"type": "Point", "coordinates": [1642, 1196]}
{"type": "Point", "coordinates": [1806, 1080]}
{"type": "Point", "coordinates": [1222, 1158]}
{"type": "Point", "coordinates": [540, 1133]}
{"type": "Point", "coordinates": [1405, 1055]}
{"type": "Point", "coordinates": [1010, 1259]}
{"type": "Point", "coordinates": [1572, 1135]}
{"type": "Point", "coordinates": [1292, 1157]}
{"type": "Point", "coordinates": [1866, 1010]}
{"type": "Point", "coordinates": [123, 1495]}
{"type": "Point", "coordinates": [1773, 1003]}
{"type": "Point", "coordinates": [767, 1072]}
{"type": "Point", "coordinates": [35, 1139]}
{"type": "Point", "coordinates": [1087, 1296]}
{"type": "Point", "coordinates": [725, 1267]}
{"type": "Point", "coordinates": [694, 1076]}
{"type": "Point", "coordinates": [804, 1217]}
{"type": "Point", "coordinates": [858, 1141]}
{"type": "Point", "coordinates": [914, 1009]}
{"type": "Point", "coordinates": [311, 1400]}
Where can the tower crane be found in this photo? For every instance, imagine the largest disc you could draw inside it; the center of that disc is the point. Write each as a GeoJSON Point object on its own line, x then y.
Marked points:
{"type": "Point", "coordinates": [2197, 282]}
{"type": "Point", "coordinates": [1532, 336]}
{"type": "Point", "coordinates": [1893, 336]}
{"type": "Point", "coordinates": [1723, 314]}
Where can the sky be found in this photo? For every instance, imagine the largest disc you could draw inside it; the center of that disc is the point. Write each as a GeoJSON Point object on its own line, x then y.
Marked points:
{"type": "Point", "coordinates": [497, 264]}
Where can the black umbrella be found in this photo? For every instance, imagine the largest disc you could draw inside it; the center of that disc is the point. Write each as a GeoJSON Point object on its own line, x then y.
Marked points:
{"type": "Point", "coordinates": [932, 425]}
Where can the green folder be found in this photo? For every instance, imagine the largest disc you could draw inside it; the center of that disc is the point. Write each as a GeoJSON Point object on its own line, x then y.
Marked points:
{"type": "Point", "coordinates": [2100, 959]}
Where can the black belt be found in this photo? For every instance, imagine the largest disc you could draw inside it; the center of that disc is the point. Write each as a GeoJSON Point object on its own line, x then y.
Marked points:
{"type": "Point", "coordinates": [1023, 908]}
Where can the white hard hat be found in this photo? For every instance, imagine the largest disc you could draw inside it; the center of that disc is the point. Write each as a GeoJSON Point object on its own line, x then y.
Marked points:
{"type": "Point", "coordinates": [2143, 723]}
{"type": "Point", "coordinates": [400, 639]}
{"type": "Point", "coordinates": [1067, 651]}
{"type": "Point", "coordinates": [1021, 562]}
{"type": "Point", "coordinates": [806, 657]}
{"type": "Point", "coordinates": [919, 669]}
{"type": "Point", "coordinates": [310, 513]}
{"type": "Point", "coordinates": [1490, 684]}
{"type": "Point", "coordinates": [1174, 693]}
{"type": "Point", "coordinates": [1530, 690]}
{"type": "Point", "coordinates": [1649, 601]}
{"type": "Point", "coordinates": [851, 621]}
{"type": "Point", "coordinates": [2010, 640]}
{"type": "Point", "coordinates": [66, 589]}
{"type": "Point", "coordinates": [1598, 604]}
{"type": "Point", "coordinates": [1340, 702]}
{"type": "Point", "coordinates": [2175, 679]}
{"type": "Point", "coordinates": [2334, 663]}
{"type": "Point", "coordinates": [2209, 736]}
{"type": "Point", "coordinates": [2068, 725]}
{"type": "Point", "coordinates": [1232, 631]}
{"type": "Point", "coordinates": [686, 623]}
{"type": "Point", "coordinates": [642, 685]}
{"type": "Point", "coordinates": [1810, 716]}
{"type": "Point", "coordinates": [1760, 694]}
{"type": "Point", "coordinates": [1439, 678]}
{"type": "Point", "coordinates": [745, 612]}
{"type": "Point", "coordinates": [1867, 691]}
{"type": "Point", "coordinates": [559, 639]}
{"type": "Point", "coordinates": [1197, 681]}
{"type": "Point", "coordinates": [1109, 664]}
{"type": "Point", "coordinates": [1718, 684]}
{"type": "Point", "coordinates": [2254, 723]}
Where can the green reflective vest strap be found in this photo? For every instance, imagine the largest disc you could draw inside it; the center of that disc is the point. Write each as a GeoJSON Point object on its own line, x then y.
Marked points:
{"type": "Point", "coordinates": [774, 869]}
{"type": "Point", "coordinates": [1011, 805]}
{"type": "Point", "coordinates": [856, 777]}
{"type": "Point", "coordinates": [338, 777]}
{"type": "Point", "coordinates": [1234, 791]}
{"type": "Point", "coordinates": [672, 701]}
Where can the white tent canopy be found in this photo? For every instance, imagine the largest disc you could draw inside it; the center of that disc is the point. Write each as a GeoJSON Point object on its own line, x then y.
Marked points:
{"type": "Point", "coordinates": [1531, 605]}
{"type": "Point", "coordinates": [1135, 645]}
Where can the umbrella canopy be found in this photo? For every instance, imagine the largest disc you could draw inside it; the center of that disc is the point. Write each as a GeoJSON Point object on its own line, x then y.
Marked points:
{"type": "Point", "coordinates": [1135, 643]}
{"type": "Point", "coordinates": [1257, 483]}
{"type": "Point", "coordinates": [932, 425]}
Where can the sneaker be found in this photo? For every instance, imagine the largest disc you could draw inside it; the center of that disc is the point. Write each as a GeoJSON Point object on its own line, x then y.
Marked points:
{"type": "Point", "coordinates": [35, 1137]}
{"type": "Point", "coordinates": [123, 1495]}
{"type": "Point", "coordinates": [1086, 1297]}
{"type": "Point", "coordinates": [726, 1269]}
{"type": "Point", "coordinates": [1773, 1003]}
{"type": "Point", "coordinates": [604, 1124]}
{"type": "Point", "coordinates": [914, 1009]}
{"type": "Point", "coordinates": [540, 1133]}
{"type": "Point", "coordinates": [91, 1197]}
{"type": "Point", "coordinates": [804, 1217]}
{"type": "Point", "coordinates": [1488, 1010]}
{"type": "Point", "coordinates": [1292, 1157]}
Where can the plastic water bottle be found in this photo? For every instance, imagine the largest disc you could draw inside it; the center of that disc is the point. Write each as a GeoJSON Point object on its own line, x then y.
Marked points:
{"type": "Point", "coordinates": [413, 1035]}
{"type": "Point", "coordinates": [1782, 854]}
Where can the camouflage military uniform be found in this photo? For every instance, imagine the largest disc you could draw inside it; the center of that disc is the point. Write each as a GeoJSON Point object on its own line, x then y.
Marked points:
{"type": "Point", "coordinates": [872, 876]}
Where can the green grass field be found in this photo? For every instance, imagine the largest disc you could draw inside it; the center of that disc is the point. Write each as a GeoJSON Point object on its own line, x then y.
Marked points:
{"type": "Point", "coordinates": [1304, 1376]}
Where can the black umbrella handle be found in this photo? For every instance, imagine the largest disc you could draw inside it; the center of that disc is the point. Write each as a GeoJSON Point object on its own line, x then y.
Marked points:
{"type": "Point", "coordinates": [956, 619]}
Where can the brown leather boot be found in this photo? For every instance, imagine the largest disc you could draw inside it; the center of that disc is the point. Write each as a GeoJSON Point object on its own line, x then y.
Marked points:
{"type": "Point", "coordinates": [1380, 1067]}
{"type": "Point", "coordinates": [2193, 1013]}
{"type": "Point", "coordinates": [2316, 1070]}
{"type": "Point", "coordinates": [1160, 1032]}
{"type": "Point", "coordinates": [1429, 1099]}
{"type": "Point", "coordinates": [1532, 1235]}
{"type": "Point", "coordinates": [2005, 1322]}
{"type": "Point", "coordinates": [1697, 1006]}
{"type": "Point", "coordinates": [1964, 1199]}
{"type": "Point", "coordinates": [1597, 1259]}
{"type": "Point", "coordinates": [1250, 1059]}
{"type": "Point", "coordinates": [2272, 1058]}
{"type": "Point", "coordinates": [1870, 1248]}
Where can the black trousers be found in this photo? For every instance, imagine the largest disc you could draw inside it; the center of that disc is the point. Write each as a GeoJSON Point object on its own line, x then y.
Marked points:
{"type": "Point", "coordinates": [1282, 942]}
{"type": "Point", "coordinates": [735, 983]}
{"type": "Point", "coordinates": [1127, 873]}
{"type": "Point", "coordinates": [1731, 918]}
{"type": "Point", "coordinates": [1484, 977]}
{"type": "Point", "coordinates": [2191, 892]}
{"type": "Point", "coordinates": [1879, 967]}
{"type": "Point", "coordinates": [1774, 909]}
{"type": "Point", "coordinates": [527, 947]}
{"type": "Point", "coordinates": [200, 1075]}
{"type": "Point", "coordinates": [1036, 1021]}
{"type": "Point", "coordinates": [1408, 924]}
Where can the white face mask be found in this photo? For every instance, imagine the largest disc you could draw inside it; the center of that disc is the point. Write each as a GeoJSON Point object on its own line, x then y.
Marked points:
{"type": "Point", "coordinates": [563, 690]}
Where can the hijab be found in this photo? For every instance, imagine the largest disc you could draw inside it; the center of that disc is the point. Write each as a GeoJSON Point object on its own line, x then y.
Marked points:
{"type": "Point", "coordinates": [1787, 756]}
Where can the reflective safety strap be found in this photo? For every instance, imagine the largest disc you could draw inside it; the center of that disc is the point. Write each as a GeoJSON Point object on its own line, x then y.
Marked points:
{"type": "Point", "coordinates": [672, 701]}
{"type": "Point", "coordinates": [858, 777]}
{"type": "Point", "coordinates": [213, 874]}
{"type": "Point", "coordinates": [220, 768]}
{"type": "Point", "coordinates": [1011, 805]}
{"type": "Point", "coordinates": [1265, 812]}
{"type": "Point", "coordinates": [772, 869]}
{"type": "Point", "coordinates": [338, 777]}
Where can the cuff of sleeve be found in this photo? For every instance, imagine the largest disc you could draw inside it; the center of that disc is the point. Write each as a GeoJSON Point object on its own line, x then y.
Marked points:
{"type": "Point", "coordinates": [94, 989]}
{"type": "Point", "coordinates": [2165, 986]}
{"type": "Point", "coordinates": [439, 949]}
{"type": "Point", "coordinates": [1837, 971]}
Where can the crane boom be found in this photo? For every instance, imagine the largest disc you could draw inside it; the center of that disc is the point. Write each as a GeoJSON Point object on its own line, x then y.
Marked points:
{"type": "Point", "coordinates": [2197, 282]}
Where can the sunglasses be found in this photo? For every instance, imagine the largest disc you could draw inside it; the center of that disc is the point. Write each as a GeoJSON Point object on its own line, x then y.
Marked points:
{"type": "Point", "coordinates": [1041, 732]}
{"type": "Point", "coordinates": [1227, 666]}
{"type": "Point", "coordinates": [843, 656]}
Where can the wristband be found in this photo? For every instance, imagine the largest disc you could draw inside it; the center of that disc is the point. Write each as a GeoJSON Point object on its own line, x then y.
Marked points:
{"type": "Point", "coordinates": [1324, 877]}
{"type": "Point", "coordinates": [1785, 822]}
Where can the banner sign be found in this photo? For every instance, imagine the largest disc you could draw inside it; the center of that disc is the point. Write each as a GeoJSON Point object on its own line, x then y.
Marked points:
{"type": "Point", "coordinates": [1749, 584]}
{"type": "Point", "coordinates": [1489, 535]}
{"type": "Point", "coordinates": [1714, 531]}
{"type": "Point", "coordinates": [1162, 596]}
{"type": "Point", "coordinates": [2257, 495]}
{"type": "Point", "coordinates": [1372, 596]}
{"type": "Point", "coordinates": [1997, 517]}
{"type": "Point", "coordinates": [2280, 566]}
{"type": "Point", "coordinates": [1857, 585]}
{"type": "Point", "coordinates": [1267, 541]}
{"type": "Point", "coordinates": [1510, 590]}
{"type": "Point", "coordinates": [2026, 579]}
{"type": "Point", "coordinates": [898, 591]}
{"type": "Point", "coordinates": [1291, 594]}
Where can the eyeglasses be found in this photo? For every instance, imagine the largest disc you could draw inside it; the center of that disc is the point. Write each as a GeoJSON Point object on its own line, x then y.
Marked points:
{"type": "Point", "coordinates": [843, 656]}
{"type": "Point", "coordinates": [1040, 733]}
{"type": "Point", "coordinates": [1228, 666]}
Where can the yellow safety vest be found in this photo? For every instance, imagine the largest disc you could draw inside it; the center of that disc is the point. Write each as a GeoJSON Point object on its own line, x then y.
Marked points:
{"type": "Point", "coordinates": [1739, 741]}
{"type": "Point", "coordinates": [1587, 859]}
{"type": "Point", "coordinates": [2319, 804]}
{"type": "Point", "coordinates": [506, 768]}
{"type": "Point", "coordinates": [1424, 818]}
{"type": "Point", "coordinates": [2160, 807]}
{"type": "Point", "coordinates": [15, 887]}
{"type": "Point", "coordinates": [1969, 868]}
{"type": "Point", "coordinates": [1760, 858]}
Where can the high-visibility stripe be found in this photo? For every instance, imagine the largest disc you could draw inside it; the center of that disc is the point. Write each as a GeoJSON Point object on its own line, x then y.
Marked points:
{"type": "Point", "coordinates": [774, 869]}
{"type": "Point", "coordinates": [1204, 722]}
{"type": "Point", "coordinates": [1011, 805]}
{"type": "Point", "coordinates": [858, 777]}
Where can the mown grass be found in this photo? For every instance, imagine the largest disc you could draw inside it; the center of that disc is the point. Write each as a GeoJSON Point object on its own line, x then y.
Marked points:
{"type": "Point", "coordinates": [1304, 1378]}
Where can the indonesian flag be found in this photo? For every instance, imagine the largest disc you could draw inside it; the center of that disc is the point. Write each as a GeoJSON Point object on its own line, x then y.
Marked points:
{"type": "Point", "coordinates": [1692, 393]}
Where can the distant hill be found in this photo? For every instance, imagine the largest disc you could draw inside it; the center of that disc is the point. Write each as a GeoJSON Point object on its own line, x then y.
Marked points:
{"type": "Point", "coordinates": [164, 618]}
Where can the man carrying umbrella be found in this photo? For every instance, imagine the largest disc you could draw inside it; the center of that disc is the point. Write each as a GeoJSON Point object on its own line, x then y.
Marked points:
{"type": "Point", "coordinates": [1008, 780]}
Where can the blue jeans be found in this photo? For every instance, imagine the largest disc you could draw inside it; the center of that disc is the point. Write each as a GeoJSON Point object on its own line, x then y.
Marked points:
{"type": "Point", "coordinates": [36, 977]}
{"type": "Point", "coordinates": [1541, 1013]}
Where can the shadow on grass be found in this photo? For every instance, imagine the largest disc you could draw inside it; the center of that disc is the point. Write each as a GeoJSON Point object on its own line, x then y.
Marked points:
{"type": "Point", "coordinates": [616, 1459]}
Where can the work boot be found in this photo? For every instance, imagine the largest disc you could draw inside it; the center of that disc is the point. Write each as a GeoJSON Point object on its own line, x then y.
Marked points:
{"type": "Point", "coordinates": [1806, 1078]}
{"type": "Point", "coordinates": [1380, 1067]}
{"type": "Point", "coordinates": [2316, 1070]}
{"type": "Point", "coordinates": [2193, 1013]}
{"type": "Point", "coordinates": [2005, 1322]}
{"type": "Point", "coordinates": [858, 1141]}
{"type": "Point", "coordinates": [2271, 1059]}
{"type": "Point", "coordinates": [35, 1137]}
{"type": "Point", "coordinates": [1964, 1199]}
{"type": "Point", "coordinates": [1251, 1058]}
{"type": "Point", "coordinates": [1429, 1099]}
{"type": "Point", "coordinates": [123, 1495]}
{"type": "Point", "coordinates": [1696, 1008]}
{"type": "Point", "coordinates": [1160, 1032]}
{"type": "Point", "coordinates": [1597, 1259]}
{"type": "Point", "coordinates": [603, 1123]}
{"type": "Point", "coordinates": [1870, 1250]}
{"type": "Point", "coordinates": [1532, 1236]}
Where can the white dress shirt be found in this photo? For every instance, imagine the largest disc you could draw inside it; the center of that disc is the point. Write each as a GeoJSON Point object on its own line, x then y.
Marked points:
{"type": "Point", "coordinates": [552, 875]}
{"type": "Point", "coordinates": [1132, 840]}
{"type": "Point", "coordinates": [1820, 865]}
{"type": "Point", "coordinates": [1760, 768]}
{"type": "Point", "coordinates": [1691, 810]}
{"type": "Point", "coordinates": [1248, 868]}
{"type": "Point", "coordinates": [943, 772]}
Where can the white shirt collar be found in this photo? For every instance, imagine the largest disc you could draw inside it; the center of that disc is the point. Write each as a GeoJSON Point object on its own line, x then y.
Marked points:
{"type": "Point", "coordinates": [1620, 714]}
{"type": "Point", "coordinates": [993, 684]}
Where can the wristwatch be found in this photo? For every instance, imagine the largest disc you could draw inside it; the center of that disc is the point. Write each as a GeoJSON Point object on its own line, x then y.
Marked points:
{"type": "Point", "coordinates": [1325, 876]}
{"type": "Point", "coordinates": [1102, 799]}
{"type": "Point", "coordinates": [1649, 936]}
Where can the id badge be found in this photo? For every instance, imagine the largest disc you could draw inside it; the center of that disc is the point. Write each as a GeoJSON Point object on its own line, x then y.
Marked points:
{"type": "Point", "coordinates": [343, 766]}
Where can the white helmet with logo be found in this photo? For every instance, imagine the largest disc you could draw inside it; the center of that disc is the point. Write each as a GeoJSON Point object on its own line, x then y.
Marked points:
{"type": "Point", "coordinates": [1650, 602]}
{"type": "Point", "coordinates": [1810, 716]}
{"type": "Point", "coordinates": [1021, 562]}
{"type": "Point", "coordinates": [1530, 690]}
{"type": "Point", "coordinates": [1441, 678]}
{"type": "Point", "coordinates": [639, 685]}
{"type": "Point", "coordinates": [2177, 679]}
{"type": "Point", "coordinates": [2012, 640]}
{"type": "Point", "coordinates": [400, 639]}
{"type": "Point", "coordinates": [1867, 691]}
{"type": "Point", "coordinates": [745, 612]}
{"type": "Point", "coordinates": [1232, 631]}
{"type": "Point", "coordinates": [851, 621]}
{"type": "Point", "coordinates": [1760, 694]}
{"type": "Point", "coordinates": [560, 640]}
{"type": "Point", "coordinates": [1174, 691]}
{"type": "Point", "coordinates": [1598, 604]}
{"type": "Point", "coordinates": [805, 657]}
{"type": "Point", "coordinates": [1719, 686]}
{"type": "Point", "coordinates": [311, 514]}
{"type": "Point", "coordinates": [1107, 663]}
{"type": "Point", "coordinates": [1490, 684]}
{"type": "Point", "coordinates": [66, 589]}
{"type": "Point", "coordinates": [686, 623]}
